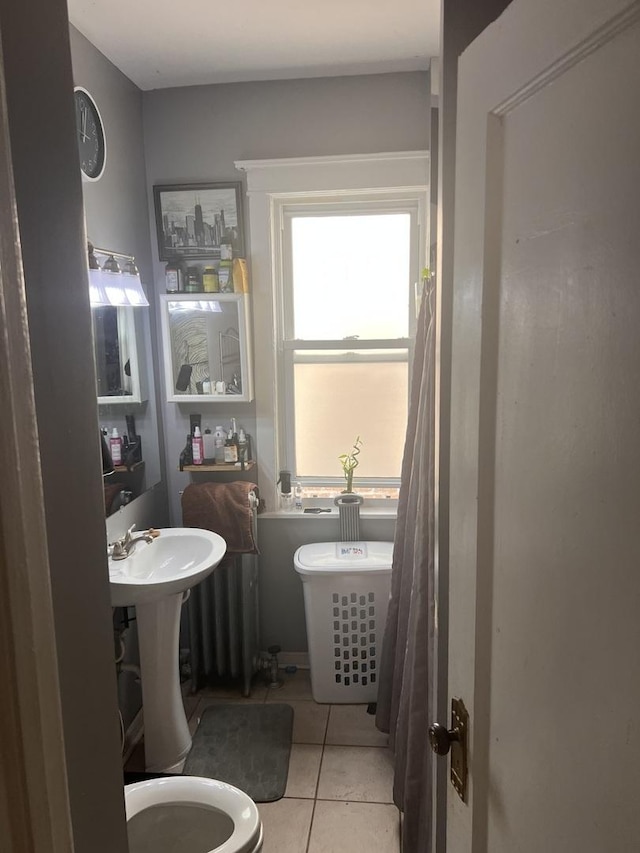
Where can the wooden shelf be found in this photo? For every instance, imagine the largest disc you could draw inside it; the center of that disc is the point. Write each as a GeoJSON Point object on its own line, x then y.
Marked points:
{"type": "Point", "coordinates": [220, 467]}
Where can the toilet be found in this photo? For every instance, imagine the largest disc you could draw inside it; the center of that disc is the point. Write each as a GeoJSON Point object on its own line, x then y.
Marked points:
{"type": "Point", "coordinates": [188, 814]}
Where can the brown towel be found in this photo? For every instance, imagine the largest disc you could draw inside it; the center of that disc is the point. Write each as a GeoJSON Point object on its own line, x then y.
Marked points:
{"type": "Point", "coordinates": [223, 508]}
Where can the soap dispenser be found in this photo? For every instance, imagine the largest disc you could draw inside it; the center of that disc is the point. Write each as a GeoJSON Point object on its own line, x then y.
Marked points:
{"type": "Point", "coordinates": [219, 437]}
{"type": "Point", "coordinates": [286, 495]}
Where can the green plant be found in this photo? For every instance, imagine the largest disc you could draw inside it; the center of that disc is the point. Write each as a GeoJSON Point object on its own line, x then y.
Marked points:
{"type": "Point", "coordinates": [349, 462]}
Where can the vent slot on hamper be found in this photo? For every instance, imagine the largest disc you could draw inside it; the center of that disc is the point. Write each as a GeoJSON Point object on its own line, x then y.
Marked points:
{"type": "Point", "coordinates": [355, 646]}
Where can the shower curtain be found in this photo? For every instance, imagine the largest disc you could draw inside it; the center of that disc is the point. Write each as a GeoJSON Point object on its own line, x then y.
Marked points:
{"type": "Point", "coordinates": [404, 694]}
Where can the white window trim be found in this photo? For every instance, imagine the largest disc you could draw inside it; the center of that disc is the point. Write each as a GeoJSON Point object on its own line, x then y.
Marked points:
{"type": "Point", "coordinates": [269, 182]}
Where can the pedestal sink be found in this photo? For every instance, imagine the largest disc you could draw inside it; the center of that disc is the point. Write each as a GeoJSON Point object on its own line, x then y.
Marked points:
{"type": "Point", "coordinates": [154, 578]}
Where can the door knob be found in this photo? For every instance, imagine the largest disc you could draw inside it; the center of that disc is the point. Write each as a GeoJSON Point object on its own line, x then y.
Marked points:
{"type": "Point", "coordinates": [441, 738]}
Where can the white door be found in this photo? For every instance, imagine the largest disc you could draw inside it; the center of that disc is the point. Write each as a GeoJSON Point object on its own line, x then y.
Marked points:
{"type": "Point", "coordinates": [545, 476]}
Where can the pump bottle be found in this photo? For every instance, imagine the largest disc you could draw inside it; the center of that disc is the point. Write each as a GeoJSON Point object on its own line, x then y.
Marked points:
{"type": "Point", "coordinates": [219, 436]}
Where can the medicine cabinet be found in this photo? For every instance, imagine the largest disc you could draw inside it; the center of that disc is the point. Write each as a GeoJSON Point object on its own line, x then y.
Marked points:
{"type": "Point", "coordinates": [207, 351]}
{"type": "Point", "coordinates": [116, 355]}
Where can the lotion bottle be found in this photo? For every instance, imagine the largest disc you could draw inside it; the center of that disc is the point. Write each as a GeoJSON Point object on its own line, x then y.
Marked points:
{"type": "Point", "coordinates": [197, 447]}
{"type": "Point", "coordinates": [115, 447]}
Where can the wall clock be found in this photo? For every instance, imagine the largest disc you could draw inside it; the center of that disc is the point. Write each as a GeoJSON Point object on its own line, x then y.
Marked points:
{"type": "Point", "coordinates": [92, 144]}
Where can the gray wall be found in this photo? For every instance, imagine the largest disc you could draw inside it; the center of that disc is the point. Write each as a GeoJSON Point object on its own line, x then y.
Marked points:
{"type": "Point", "coordinates": [281, 602]}
{"type": "Point", "coordinates": [117, 218]}
{"type": "Point", "coordinates": [115, 206]}
{"type": "Point", "coordinates": [38, 81]}
{"type": "Point", "coordinates": [195, 134]}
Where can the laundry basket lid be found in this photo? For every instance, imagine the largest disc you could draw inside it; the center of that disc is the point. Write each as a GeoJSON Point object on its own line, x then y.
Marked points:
{"type": "Point", "coordinates": [336, 557]}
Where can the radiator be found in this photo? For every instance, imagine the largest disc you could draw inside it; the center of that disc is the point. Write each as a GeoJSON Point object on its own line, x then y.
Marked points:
{"type": "Point", "coordinates": [223, 621]}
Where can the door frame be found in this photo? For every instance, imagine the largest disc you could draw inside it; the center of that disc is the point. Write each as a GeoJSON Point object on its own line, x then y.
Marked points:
{"type": "Point", "coordinates": [461, 21]}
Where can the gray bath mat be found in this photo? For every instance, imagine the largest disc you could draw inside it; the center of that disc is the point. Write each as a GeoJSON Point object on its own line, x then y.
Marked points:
{"type": "Point", "coordinates": [245, 745]}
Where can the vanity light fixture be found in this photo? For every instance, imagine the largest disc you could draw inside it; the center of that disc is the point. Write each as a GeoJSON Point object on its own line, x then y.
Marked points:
{"type": "Point", "coordinates": [111, 285]}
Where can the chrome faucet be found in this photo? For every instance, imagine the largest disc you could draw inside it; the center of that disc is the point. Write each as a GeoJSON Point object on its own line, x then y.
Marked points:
{"type": "Point", "coordinates": [121, 548]}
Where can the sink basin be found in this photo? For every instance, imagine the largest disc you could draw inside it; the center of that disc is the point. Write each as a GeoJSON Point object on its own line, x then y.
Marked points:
{"type": "Point", "coordinates": [178, 559]}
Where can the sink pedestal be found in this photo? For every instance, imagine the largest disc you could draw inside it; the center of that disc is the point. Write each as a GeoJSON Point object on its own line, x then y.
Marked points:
{"type": "Point", "coordinates": [155, 577]}
{"type": "Point", "coordinates": [167, 739]}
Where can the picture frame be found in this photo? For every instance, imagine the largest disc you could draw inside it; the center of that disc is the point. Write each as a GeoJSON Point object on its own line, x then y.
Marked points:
{"type": "Point", "coordinates": [194, 220]}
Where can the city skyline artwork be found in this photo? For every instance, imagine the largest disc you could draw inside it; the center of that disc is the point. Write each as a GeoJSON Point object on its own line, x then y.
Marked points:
{"type": "Point", "coordinates": [195, 221]}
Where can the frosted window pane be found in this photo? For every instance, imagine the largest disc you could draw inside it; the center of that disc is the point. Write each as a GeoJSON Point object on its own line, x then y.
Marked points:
{"type": "Point", "coordinates": [337, 402]}
{"type": "Point", "coordinates": [351, 276]}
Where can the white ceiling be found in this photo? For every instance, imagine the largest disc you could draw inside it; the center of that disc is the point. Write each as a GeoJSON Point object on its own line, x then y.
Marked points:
{"type": "Point", "coordinates": [159, 44]}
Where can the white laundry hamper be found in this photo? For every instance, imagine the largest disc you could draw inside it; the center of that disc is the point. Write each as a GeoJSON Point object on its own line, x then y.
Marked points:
{"type": "Point", "coordinates": [346, 595]}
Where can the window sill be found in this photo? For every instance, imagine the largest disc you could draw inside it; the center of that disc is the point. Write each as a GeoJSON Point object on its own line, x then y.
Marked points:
{"type": "Point", "coordinates": [370, 512]}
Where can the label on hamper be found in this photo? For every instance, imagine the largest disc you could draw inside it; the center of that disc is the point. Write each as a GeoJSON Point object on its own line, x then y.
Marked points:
{"type": "Point", "coordinates": [351, 549]}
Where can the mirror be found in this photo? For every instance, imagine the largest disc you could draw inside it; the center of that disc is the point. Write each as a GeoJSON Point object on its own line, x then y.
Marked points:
{"type": "Point", "coordinates": [116, 356]}
{"type": "Point", "coordinates": [206, 346]}
{"type": "Point", "coordinates": [123, 358]}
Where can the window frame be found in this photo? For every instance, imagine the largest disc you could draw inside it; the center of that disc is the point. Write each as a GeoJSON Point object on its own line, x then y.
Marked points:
{"type": "Point", "coordinates": [285, 210]}
{"type": "Point", "coordinates": [400, 173]}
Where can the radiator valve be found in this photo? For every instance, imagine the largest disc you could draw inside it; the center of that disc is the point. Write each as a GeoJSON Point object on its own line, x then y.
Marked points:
{"type": "Point", "coordinates": [273, 679]}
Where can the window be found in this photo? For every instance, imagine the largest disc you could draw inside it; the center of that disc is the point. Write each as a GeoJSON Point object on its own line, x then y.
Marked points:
{"type": "Point", "coordinates": [333, 309]}
{"type": "Point", "coordinates": [347, 275]}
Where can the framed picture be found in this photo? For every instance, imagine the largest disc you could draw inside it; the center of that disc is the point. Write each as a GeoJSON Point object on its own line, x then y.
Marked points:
{"type": "Point", "coordinates": [195, 220]}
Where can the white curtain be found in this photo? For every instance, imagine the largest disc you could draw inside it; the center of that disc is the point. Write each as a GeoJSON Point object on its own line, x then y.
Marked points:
{"type": "Point", "coordinates": [404, 697]}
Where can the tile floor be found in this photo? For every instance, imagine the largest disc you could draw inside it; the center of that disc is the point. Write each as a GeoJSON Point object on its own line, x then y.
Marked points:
{"type": "Point", "coordinates": [339, 791]}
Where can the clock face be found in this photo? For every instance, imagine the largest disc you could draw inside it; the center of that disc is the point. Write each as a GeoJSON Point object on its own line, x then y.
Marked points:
{"type": "Point", "coordinates": [91, 140]}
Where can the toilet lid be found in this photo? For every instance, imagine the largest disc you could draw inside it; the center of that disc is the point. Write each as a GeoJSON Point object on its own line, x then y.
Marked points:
{"type": "Point", "coordinates": [188, 814]}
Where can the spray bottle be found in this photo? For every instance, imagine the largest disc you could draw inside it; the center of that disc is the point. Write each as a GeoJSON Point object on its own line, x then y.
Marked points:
{"type": "Point", "coordinates": [197, 447]}
{"type": "Point", "coordinates": [115, 447]}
